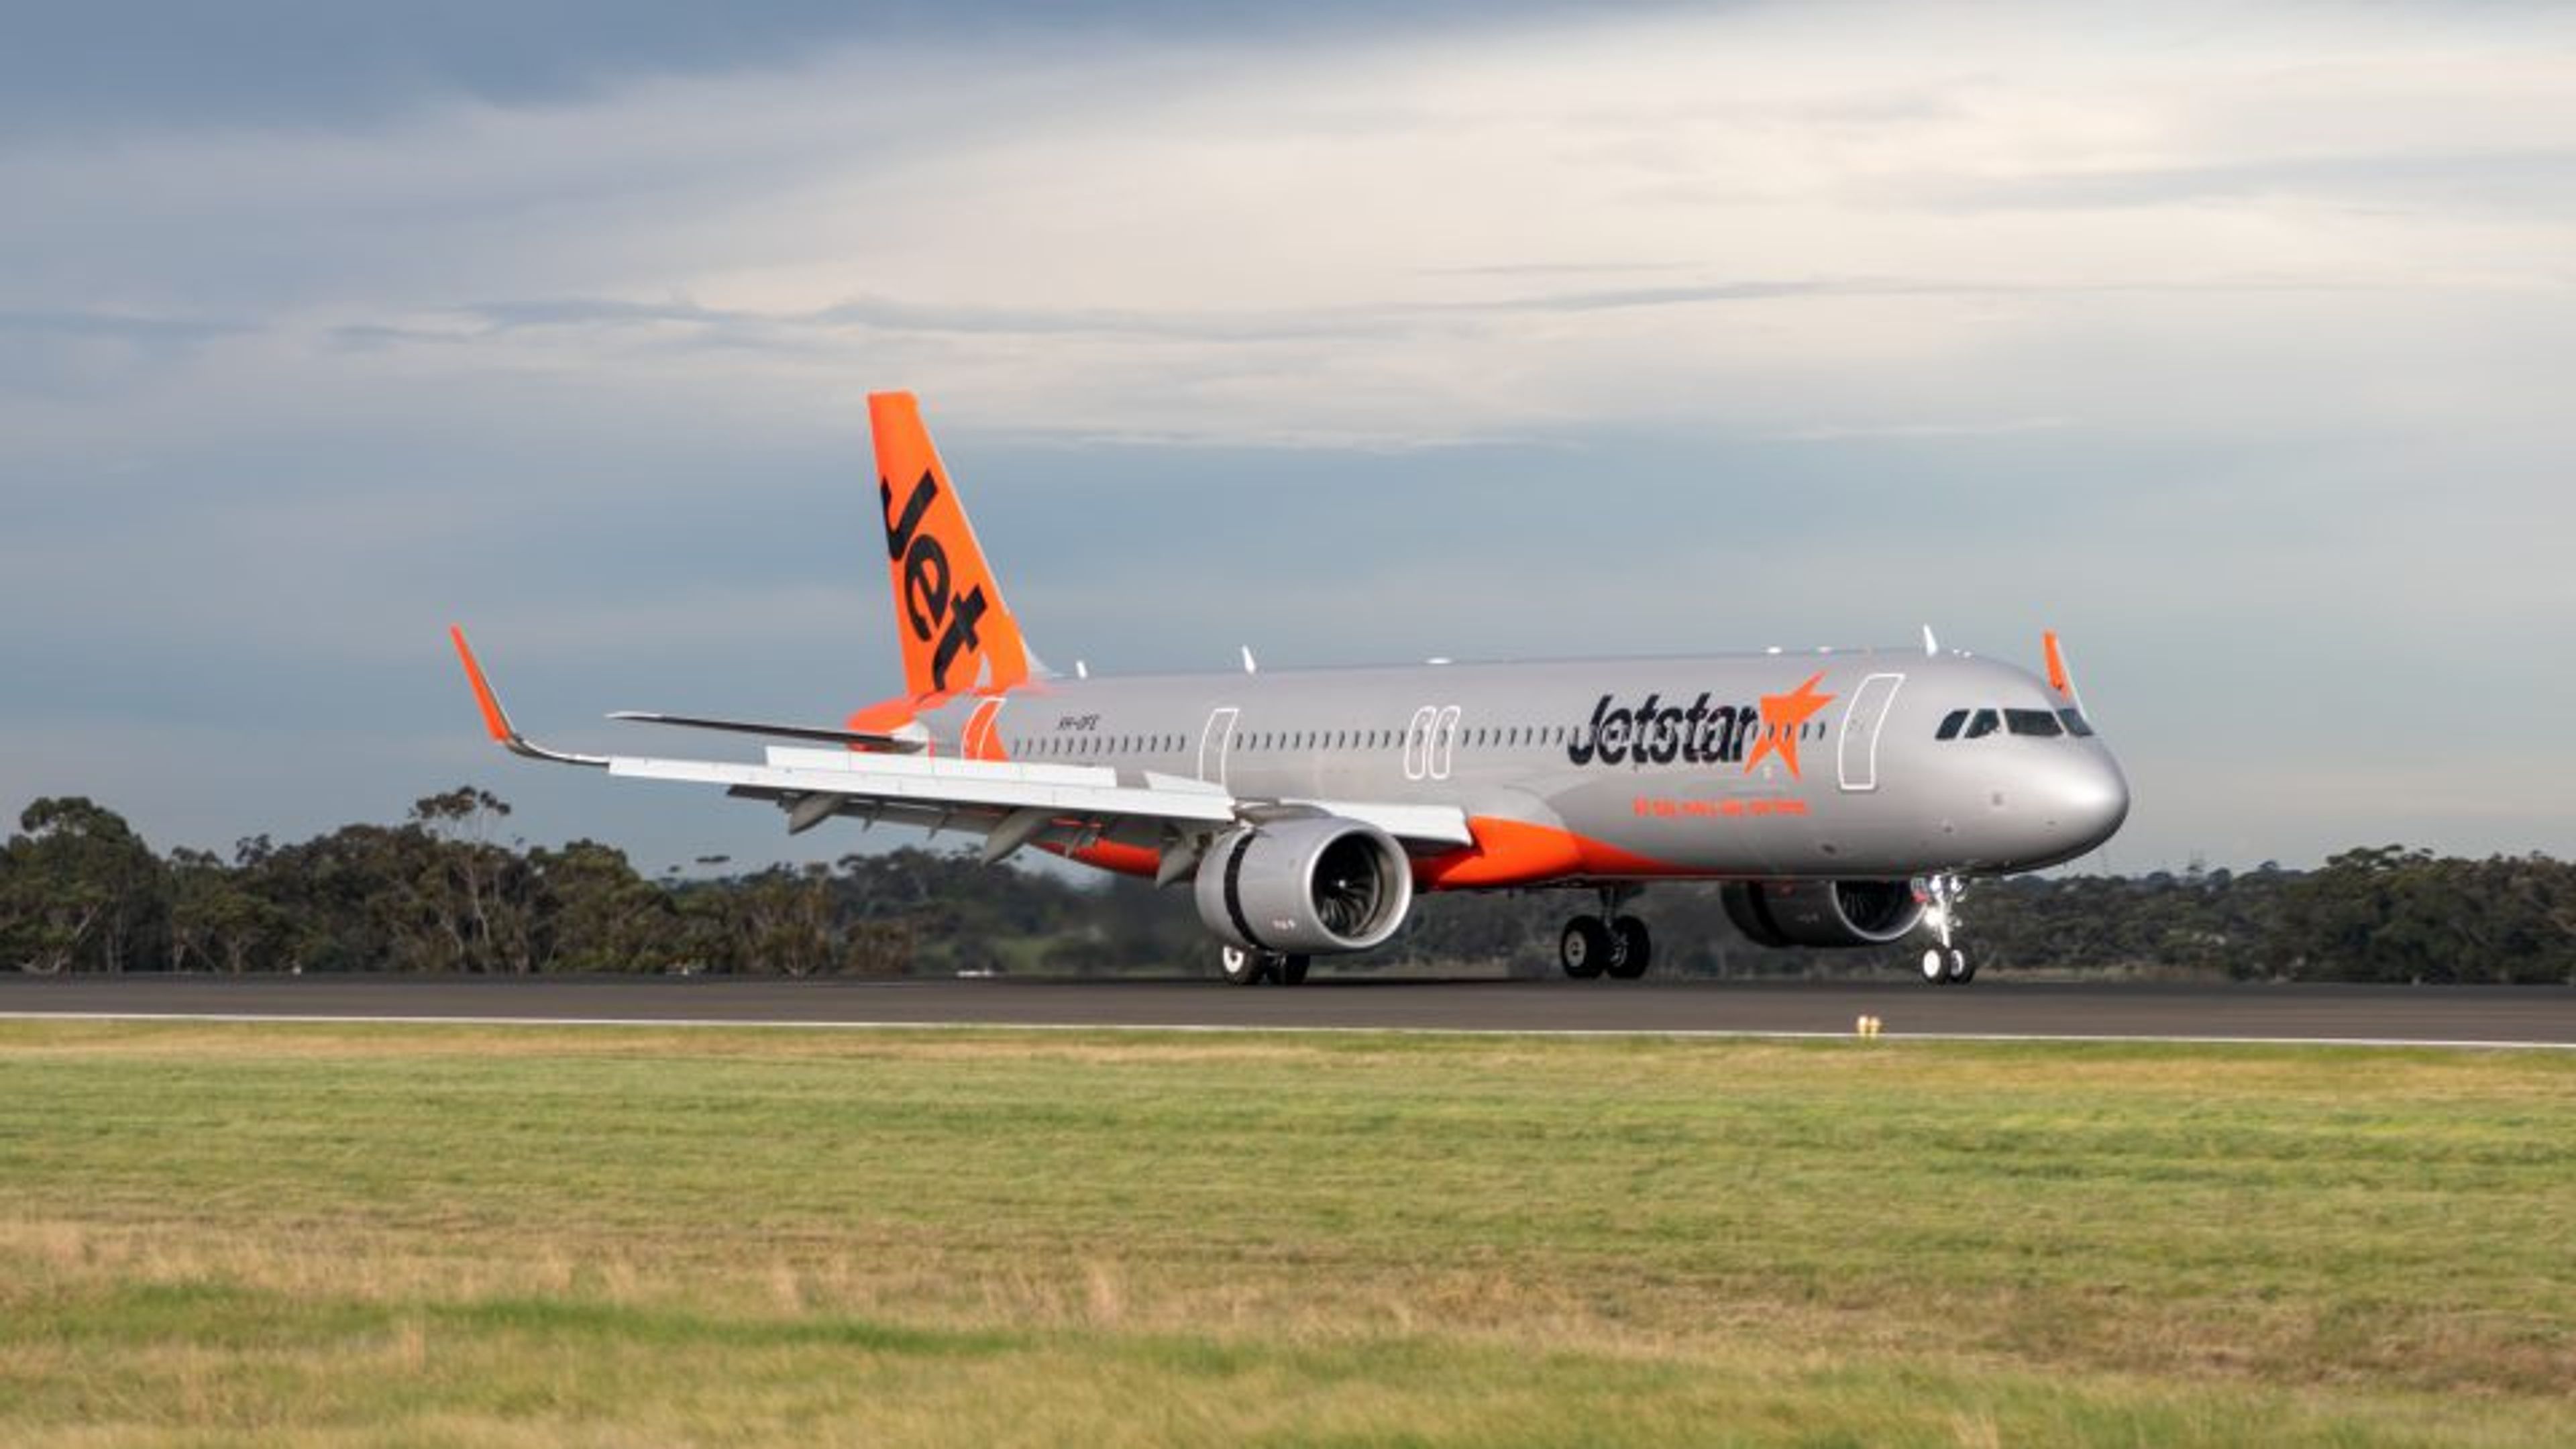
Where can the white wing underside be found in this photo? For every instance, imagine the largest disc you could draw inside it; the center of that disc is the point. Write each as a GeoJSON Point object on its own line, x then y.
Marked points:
{"type": "Point", "coordinates": [1014, 804]}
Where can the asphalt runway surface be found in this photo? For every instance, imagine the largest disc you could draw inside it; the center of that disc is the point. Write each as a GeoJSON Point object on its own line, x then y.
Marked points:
{"type": "Point", "coordinates": [2463, 1016]}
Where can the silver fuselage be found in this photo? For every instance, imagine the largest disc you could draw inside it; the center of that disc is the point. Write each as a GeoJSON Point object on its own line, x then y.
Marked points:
{"type": "Point", "coordinates": [1804, 765]}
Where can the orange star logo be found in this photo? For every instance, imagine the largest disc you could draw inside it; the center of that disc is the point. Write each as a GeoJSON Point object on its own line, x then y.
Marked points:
{"type": "Point", "coordinates": [1783, 717]}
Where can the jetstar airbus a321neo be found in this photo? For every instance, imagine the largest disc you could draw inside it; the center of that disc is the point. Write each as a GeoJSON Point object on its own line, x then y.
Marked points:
{"type": "Point", "coordinates": [1843, 797]}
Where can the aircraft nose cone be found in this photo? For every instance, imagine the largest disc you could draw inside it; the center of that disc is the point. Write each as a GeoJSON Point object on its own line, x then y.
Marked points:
{"type": "Point", "coordinates": [2092, 799]}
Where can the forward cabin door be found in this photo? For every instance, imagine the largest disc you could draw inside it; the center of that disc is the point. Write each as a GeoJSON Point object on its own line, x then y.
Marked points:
{"type": "Point", "coordinates": [1857, 757]}
{"type": "Point", "coordinates": [1216, 742]}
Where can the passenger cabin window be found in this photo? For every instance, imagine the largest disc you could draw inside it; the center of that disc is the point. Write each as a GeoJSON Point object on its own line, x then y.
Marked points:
{"type": "Point", "coordinates": [2039, 723]}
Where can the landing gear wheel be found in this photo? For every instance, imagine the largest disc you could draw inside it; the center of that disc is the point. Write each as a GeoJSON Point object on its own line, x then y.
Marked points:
{"type": "Point", "coordinates": [1292, 970]}
{"type": "Point", "coordinates": [1632, 948]}
{"type": "Point", "coordinates": [1936, 966]}
{"type": "Point", "coordinates": [1586, 947]}
{"type": "Point", "coordinates": [1244, 968]}
{"type": "Point", "coordinates": [1962, 970]}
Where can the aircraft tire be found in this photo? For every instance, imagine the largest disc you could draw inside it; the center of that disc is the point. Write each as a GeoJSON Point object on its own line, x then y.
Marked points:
{"type": "Point", "coordinates": [1586, 948]}
{"type": "Point", "coordinates": [1242, 967]}
{"type": "Point", "coordinates": [1962, 970]}
{"type": "Point", "coordinates": [1936, 967]}
{"type": "Point", "coordinates": [1632, 949]}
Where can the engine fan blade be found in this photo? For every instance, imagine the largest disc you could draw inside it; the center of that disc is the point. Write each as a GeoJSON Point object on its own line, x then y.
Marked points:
{"type": "Point", "coordinates": [1344, 903]}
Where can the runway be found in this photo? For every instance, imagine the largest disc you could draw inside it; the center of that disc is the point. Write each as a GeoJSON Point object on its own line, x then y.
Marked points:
{"type": "Point", "coordinates": [2495, 1016]}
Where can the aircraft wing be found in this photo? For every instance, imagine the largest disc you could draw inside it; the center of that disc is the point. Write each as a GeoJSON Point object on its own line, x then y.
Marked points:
{"type": "Point", "coordinates": [1010, 803]}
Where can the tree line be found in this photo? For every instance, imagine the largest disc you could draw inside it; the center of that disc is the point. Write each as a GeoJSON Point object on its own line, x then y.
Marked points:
{"type": "Point", "coordinates": [80, 890]}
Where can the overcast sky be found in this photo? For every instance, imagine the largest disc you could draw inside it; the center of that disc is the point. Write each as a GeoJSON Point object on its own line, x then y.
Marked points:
{"type": "Point", "coordinates": [2235, 344]}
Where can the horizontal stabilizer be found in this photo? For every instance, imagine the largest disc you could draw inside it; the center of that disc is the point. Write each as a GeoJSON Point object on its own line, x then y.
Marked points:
{"type": "Point", "coordinates": [893, 743]}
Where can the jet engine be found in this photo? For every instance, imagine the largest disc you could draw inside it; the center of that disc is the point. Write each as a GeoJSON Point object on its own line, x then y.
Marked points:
{"type": "Point", "coordinates": [1305, 886]}
{"type": "Point", "coordinates": [1822, 912]}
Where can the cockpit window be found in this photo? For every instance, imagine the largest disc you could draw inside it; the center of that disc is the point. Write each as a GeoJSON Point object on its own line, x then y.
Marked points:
{"type": "Point", "coordinates": [2037, 722]}
{"type": "Point", "coordinates": [2046, 724]}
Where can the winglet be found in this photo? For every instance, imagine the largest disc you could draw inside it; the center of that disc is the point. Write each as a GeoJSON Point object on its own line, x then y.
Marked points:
{"type": "Point", "coordinates": [496, 721]}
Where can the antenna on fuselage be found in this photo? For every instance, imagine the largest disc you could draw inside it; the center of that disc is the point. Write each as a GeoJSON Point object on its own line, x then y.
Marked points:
{"type": "Point", "coordinates": [1081, 670]}
{"type": "Point", "coordinates": [1249, 667]}
{"type": "Point", "coordinates": [1931, 646]}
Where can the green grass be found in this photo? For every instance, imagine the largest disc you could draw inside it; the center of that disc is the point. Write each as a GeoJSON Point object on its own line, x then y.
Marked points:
{"type": "Point", "coordinates": [216, 1234]}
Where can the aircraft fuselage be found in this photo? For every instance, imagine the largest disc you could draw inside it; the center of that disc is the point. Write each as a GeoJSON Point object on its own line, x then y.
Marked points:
{"type": "Point", "coordinates": [1811, 765]}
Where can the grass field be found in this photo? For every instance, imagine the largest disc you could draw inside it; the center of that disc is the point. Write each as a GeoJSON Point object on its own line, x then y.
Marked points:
{"type": "Point", "coordinates": [217, 1234]}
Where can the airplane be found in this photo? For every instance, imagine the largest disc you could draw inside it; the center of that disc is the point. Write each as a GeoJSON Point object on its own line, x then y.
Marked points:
{"type": "Point", "coordinates": [1841, 798]}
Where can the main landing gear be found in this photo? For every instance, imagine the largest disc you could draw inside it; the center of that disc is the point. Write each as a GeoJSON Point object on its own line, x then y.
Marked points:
{"type": "Point", "coordinates": [1945, 964]}
{"type": "Point", "coordinates": [1608, 944]}
{"type": "Point", "coordinates": [1251, 968]}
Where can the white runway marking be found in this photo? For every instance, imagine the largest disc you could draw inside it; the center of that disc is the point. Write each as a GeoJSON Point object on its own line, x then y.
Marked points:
{"type": "Point", "coordinates": [1255, 1029]}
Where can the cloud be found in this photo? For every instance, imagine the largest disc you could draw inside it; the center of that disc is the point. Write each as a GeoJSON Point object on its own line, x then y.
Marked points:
{"type": "Point", "coordinates": [2521, 180]}
{"type": "Point", "coordinates": [125, 66]}
{"type": "Point", "coordinates": [2232, 345]}
{"type": "Point", "coordinates": [61, 354]}
{"type": "Point", "coordinates": [116, 326]}
{"type": "Point", "coordinates": [1960, 428]}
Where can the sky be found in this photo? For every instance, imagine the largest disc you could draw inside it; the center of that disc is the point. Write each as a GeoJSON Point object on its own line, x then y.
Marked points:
{"type": "Point", "coordinates": [2234, 343]}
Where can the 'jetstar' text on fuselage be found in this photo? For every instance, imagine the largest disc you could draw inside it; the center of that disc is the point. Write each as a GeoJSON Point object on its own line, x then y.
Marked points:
{"type": "Point", "coordinates": [1654, 733]}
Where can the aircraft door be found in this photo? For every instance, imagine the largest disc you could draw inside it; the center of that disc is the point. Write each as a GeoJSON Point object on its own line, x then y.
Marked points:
{"type": "Point", "coordinates": [1857, 757]}
{"type": "Point", "coordinates": [1216, 743]}
{"type": "Point", "coordinates": [1417, 743]}
{"type": "Point", "coordinates": [1431, 742]}
{"type": "Point", "coordinates": [981, 739]}
{"type": "Point", "coordinates": [1444, 737]}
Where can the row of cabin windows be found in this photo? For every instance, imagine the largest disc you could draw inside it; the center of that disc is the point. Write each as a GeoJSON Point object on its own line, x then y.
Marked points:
{"type": "Point", "coordinates": [1056, 747]}
{"type": "Point", "coordinates": [1976, 724]}
{"type": "Point", "coordinates": [1479, 737]}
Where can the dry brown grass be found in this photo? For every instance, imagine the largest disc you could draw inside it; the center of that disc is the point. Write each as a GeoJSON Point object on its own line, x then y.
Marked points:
{"type": "Point", "coordinates": [445, 1234]}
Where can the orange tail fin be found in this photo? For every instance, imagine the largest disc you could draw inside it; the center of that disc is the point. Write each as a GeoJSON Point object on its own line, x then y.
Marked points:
{"type": "Point", "coordinates": [956, 632]}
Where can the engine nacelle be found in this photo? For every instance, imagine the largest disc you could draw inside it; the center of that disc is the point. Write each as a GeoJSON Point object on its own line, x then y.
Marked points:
{"type": "Point", "coordinates": [1822, 912]}
{"type": "Point", "coordinates": [1305, 887]}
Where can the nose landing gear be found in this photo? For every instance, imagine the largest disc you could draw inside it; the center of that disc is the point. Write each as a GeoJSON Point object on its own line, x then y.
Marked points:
{"type": "Point", "coordinates": [1946, 964]}
{"type": "Point", "coordinates": [1608, 944]}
